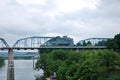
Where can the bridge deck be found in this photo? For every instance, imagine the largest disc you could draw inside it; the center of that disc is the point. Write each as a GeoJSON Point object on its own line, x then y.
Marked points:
{"type": "Point", "coordinates": [55, 47]}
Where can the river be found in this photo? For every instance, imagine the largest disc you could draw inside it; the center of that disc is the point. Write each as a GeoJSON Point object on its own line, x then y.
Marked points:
{"type": "Point", "coordinates": [23, 70]}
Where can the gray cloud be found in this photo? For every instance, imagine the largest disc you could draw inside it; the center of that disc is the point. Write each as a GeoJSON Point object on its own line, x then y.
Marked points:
{"type": "Point", "coordinates": [17, 20]}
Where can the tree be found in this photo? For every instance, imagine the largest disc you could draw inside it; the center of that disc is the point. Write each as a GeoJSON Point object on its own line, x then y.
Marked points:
{"type": "Point", "coordinates": [84, 43]}
{"type": "Point", "coordinates": [87, 71]}
{"type": "Point", "coordinates": [83, 65]}
{"type": "Point", "coordinates": [114, 43]}
{"type": "Point", "coordinates": [101, 43]}
{"type": "Point", "coordinates": [1, 61]}
{"type": "Point", "coordinates": [111, 44]}
{"type": "Point", "coordinates": [88, 43]}
{"type": "Point", "coordinates": [79, 44]}
{"type": "Point", "coordinates": [109, 59]}
{"type": "Point", "coordinates": [117, 40]}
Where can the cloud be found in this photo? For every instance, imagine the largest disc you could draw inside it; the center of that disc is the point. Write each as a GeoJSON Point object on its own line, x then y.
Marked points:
{"type": "Point", "coordinates": [77, 18]}
{"type": "Point", "coordinates": [67, 6]}
{"type": "Point", "coordinates": [31, 2]}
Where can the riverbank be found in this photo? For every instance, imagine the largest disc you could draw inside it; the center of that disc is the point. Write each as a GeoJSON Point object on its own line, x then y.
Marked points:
{"type": "Point", "coordinates": [1, 61]}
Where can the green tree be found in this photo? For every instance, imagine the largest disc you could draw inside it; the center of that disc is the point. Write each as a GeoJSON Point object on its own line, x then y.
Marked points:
{"type": "Point", "coordinates": [59, 55]}
{"type": "Point", "coordinates": [61, 72]}
{"type": "Point", "coordinates": [1, 61]}
{"type": "Point", "coordinates": [109, 59]}
{"type": "Point", "coordinates": [83, 65]}
{"type": "Point", "coordinates": [84, 43]}
{"type": "Point", "coordinates": [101, 43]}
{"type": "Point", "coordinates": [88, 43]}
{"type": "Point", "coordinates": [87, 71]}
{"type": "Point", "coordinates": [114, 43]}
{"type": "Point", "coordinates": [111, 44]}
{"type": "Point", "coordinates": [79, 44]}
{"type": "Point", "coordinates": [117, 40]}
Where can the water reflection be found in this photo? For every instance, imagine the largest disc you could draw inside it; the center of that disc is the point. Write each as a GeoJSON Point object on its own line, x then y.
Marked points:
{"type": "Point", "coordinates": [23, 70]}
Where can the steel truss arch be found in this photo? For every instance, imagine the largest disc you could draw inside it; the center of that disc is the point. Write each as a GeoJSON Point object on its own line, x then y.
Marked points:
{"type": "Point", "coordinates": [3, 43]}
{"type": "Point", "coordinates": [35, 41]}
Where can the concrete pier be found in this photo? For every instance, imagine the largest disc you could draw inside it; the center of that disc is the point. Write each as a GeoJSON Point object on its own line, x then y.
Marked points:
{"type": "Point", "coordinates": [10, 69]}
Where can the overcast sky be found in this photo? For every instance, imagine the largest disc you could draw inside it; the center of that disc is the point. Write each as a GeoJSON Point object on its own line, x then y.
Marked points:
{"type": "Point", "coordinates": [79, 19]}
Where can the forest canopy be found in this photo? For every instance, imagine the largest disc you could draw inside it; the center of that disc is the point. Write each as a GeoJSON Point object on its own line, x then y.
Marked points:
{"type": "Point", "coordinates": [81, 65]}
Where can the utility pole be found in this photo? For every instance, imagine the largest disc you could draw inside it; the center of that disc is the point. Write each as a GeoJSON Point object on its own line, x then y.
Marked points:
{"type": "Point", "coordinates": [10, 69]}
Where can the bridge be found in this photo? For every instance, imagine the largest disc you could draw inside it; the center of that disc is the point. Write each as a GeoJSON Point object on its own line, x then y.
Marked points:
{"type": "Point", "coordinates": [93, 40]}
{"type": "Point", "coordinates": [32, 43]}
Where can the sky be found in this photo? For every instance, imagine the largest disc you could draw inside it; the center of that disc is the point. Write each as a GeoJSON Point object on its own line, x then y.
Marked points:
{"type": "Point", "coordinates": [79, 19]}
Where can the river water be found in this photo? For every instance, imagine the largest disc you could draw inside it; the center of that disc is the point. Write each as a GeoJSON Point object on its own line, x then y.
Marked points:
{"type": "Point", "coordinates": [23, 70]}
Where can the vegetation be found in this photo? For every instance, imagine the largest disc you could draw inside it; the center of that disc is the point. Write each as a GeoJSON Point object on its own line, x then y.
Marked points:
{"type": "Point", "coordinates": [101, 43]}
{"type": "Point", "coordinates": [85, 44]}
{"type": "Point", "coordinates": [1, 61]}
{"type": "Point", "coordinates": [81, 65]}
{"type": "Point", "coordinates": [114, 43]}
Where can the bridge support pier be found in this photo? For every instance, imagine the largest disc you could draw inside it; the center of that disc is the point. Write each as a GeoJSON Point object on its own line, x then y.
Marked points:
{"type": "Point", "coordinates": [10, 69]}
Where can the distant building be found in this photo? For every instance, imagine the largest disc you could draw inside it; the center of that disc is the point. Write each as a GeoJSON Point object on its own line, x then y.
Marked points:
{"type": "Point", "coordinates": [60, 41]}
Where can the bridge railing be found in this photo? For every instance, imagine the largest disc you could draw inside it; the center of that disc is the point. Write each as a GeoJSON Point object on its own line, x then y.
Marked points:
{"type": "Point", "coordinates": [74, 47]}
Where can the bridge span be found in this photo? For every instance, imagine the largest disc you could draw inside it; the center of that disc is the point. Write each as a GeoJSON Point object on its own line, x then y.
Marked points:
{"type": "Point", "coordinates": [32, 43]}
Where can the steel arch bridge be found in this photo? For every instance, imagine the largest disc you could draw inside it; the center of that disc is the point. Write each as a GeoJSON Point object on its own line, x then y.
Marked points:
{"type": "Point", "coordinates": [94, 40]}
{"type": "Point", "coordinates": [3, 43]}
{"type": "Point", "coordinates": [36, 42]}
{"type": "Point", "coordinates": [31, 42]}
